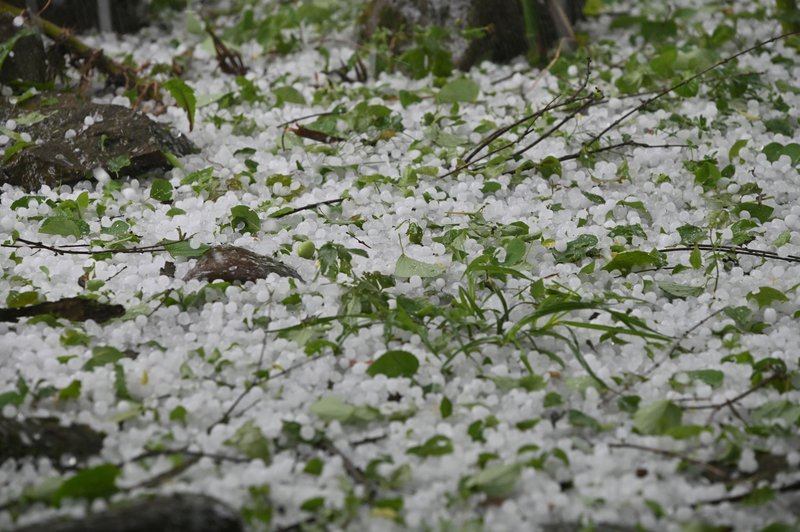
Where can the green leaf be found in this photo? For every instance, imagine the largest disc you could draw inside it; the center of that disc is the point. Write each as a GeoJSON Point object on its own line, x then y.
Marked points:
{"type": "Point", "coordinates": [408, 267]}
{"type": "Point", "coordinates": [331, 408]}
{"type": "Point", "coordinates": [458, 90]}
{"type": "Point", "coordinates": [766, 296]}
{"type": "Point", "coordinates": [185, 249]}
{"type": "Point", "coordinates": [657, 418]}
{"type": "Point", "coordinates": [118, 228]}
{"type": "Point", "coordinates": [313, 504]}
{"type": "Point", "coordinates": [733, 153]}
{"type": "Point", "coordinates": [179, 414]}
{"type": "Point", "coordinates": [102, 355]}
{"type": "Point", "coordinates": [712, 377]}
{"type": "Point", "coordinates": [72, 391]}
{"type": "Point", "coordinates": [497, 482]}
{"type": "Point", "coordinates": [16, 299]}
{"type": "Point", "coordinates": [251, 442]}
{"type": "Point", "coordinates": [680, 291]}
{"type": "Point", "coordinates": [445, 408]}
{"type": "Point", "coordinates": [628, 232]}
{"type": "Point", "coordinates": [120, 383]}
{"type": "Point", "coordinates": [549, 166]}
{"type": "Point", "coordinates": [516, 250]}
{"type": "Point", "coordinates": [529, 383]}
{"type": "Point", "coordinates": [435, 446]}
{"type": "Point", "coordinates": [578, 249]}
{"type": "Point", "coordinates": [706, 172]}
{"type": "Point", "coordinates": [394, 364]}
{"type": "Point", "coordinates": [656, 31]}
{"type": "Point", "coordinates": [74, 337]}
{"type": "Point", "coordinates": [696, 258]}
{"type": "Point", "coordinates": [60, 225]}
{"type": "Point", "coordinates": [579, 419]}
{"type": "Point", "coordinates": [775, 150]}
{"type": "Point", "coordinates": [414, 233]}
{"type": "Point", "coordinates": [627, 261]}
{"type": "Point", "coordinates": [691, 234]}
{"type": "Point", "coordinates": [244, 215]}
{"type": "Point", "coordinates": [759, 211]}
{"type": "Point", "coordinates": [99, 482]}
{"type": "Point", "coordinates": [287, 94]}
{"type": "Point", "coordinates": [408, 98]}
{"type": "Point", "coordinates": [116, 164]}
{"type": "Point", "coordinates": [161, 190]}
{"type": "Point", "coordinates": [783, 238]}
{"type": "Point", "coordinates": [184, 97]}
{"type": "Point", "coordinates": [779, 125]}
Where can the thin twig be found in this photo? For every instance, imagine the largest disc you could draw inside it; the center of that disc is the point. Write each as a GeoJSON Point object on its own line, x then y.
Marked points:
{"type": "Point", "coordinates": [67, 250]}
{"type": "Point", "coordinates": [670, 454]}
{"type": "Point", "coordinates": [309, 207]}
{"type": "Point", "coordinates": [620, 145]}
{"type": "Point", "coordinates": [738, 250]}
{"type": "Point", "coordinates": [794, 486]}
{"type": "Point", "coordinates": [686, 81]}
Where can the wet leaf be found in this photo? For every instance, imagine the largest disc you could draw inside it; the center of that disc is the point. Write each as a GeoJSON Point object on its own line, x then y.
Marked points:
{"type": "Point", "coordinates": [184, 97]}
{"type": "Point", "coordinates": [394, 364]}
{"type": "Point", "coordinates": [98, 482]}
{"type": "Point", "coordinates": [435, 446]}
{"type": "Point", "coordinates": [458, 90]}
{"type": "Point", "coordinates": [408, 267]}
{"type": "Point", "coordinates": [657, 418]}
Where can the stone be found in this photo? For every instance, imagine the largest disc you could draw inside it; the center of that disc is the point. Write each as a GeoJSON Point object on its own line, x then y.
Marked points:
{"type": "Point", "coordinates": [70, 138]}
{"type": "Point", "coordinates": [234, 264]}
{"type": "Point", "coordinates": [45, 437]}
{"type": "Point", "coordinates": [184, 512]}
{"type": "Point", "coordinates": [28, 62]}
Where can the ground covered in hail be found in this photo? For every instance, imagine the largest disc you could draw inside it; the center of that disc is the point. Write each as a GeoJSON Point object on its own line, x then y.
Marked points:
{"type": "Point", "coordinates": [511, 298]}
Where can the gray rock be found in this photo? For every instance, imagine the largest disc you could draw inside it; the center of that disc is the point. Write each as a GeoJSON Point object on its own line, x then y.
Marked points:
{"type": "Point", "coordinates": [234, 264]}
{"type": "Point", "coordinates": [183, 512]}
{"type": "Point", "coordinates": [46, 437]}
{"type": "Point", "coordinates": [65, 150]}
{"type": "Point", "coordinates": [28, 62]}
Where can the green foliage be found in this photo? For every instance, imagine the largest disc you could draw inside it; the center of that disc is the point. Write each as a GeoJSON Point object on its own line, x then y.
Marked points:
{"type": "Point", "coordinates": [407, 267]}
{"type": "Point", "coordinates": [497, 482]}
{"type": "Point", "coordinates": [429, 54]}
{"type": "Point", "coordinates": [161, 190]}
{"type": "Point", "coordinates": [184, 249]}
{"type": "Point", "coordinates": [99, 482]}
{"type": "Point", "coordinates": [582, 247]}
{"type": "Point", "coordinates": [331, 408]}
{"type": "Point", "coordinates": [184, 97]}
{"type": "Point", "coordinates": [103, 355]}
{"type": "Point", "coordinates": [394, 364]}
{"type": "Point", "coordinates": [246, 218]}
{"type": "Point", "coordinates": [628, 261]}
{"type": "Point", "coordinates": [766, 296]}
{"type": "Point", "coordinates": [458, 90]}
{"type": "Point", "coordinates": [657, 418]}
{"type": "Point", "coordinates": [250, 441]}
{"type": "Point", "coordinates": [435, 446]}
